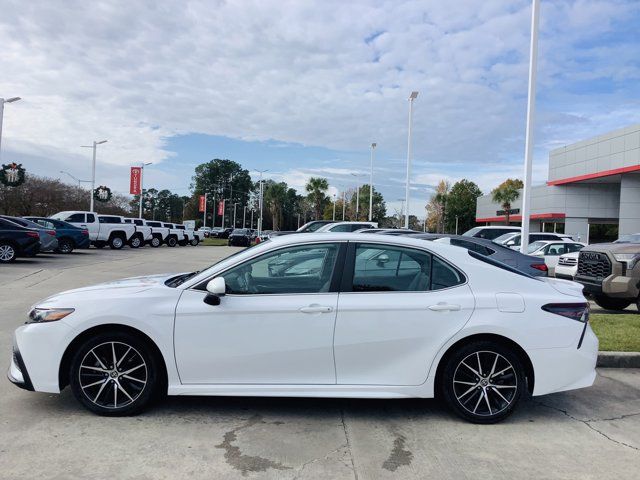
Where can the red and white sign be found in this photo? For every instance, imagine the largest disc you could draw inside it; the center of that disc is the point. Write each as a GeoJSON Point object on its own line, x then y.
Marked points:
{"type": "Point", "coordinates": [134, 183]}
{"type": "Point", "coordinates": [220, 208]}
{"type": "Point", "coordinates": [202, 204]}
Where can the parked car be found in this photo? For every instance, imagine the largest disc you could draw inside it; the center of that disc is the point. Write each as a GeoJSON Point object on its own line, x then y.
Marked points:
{"type": "Point", "coordinates": [308, 227]}
{"type": "Point", "coordinates": [69, 236]}
{"type": "Point", "coordinates": [143, 234]}
{"type": "Point", "coordinates": [48, 240]}
{"type": "Point", "coordinates": [240, 237]}
{"type": "Point", "coordinates": [533, 266]}
{"type": "Point", "coordinates": [103, 229]}
{"type": "Point", "coordinates": [567, 266]}
{"type": "Point", "coordinates": [189, 236]}
{"type": "Point", "coordinates": [205, 231]}
{"type": "Point", "coordinates": [610, 272]}
{"type": "Point", "coordinates": [224, 232]}
{"type": "Point", "coordinates": [346, 226]}
{"type": "Point", "coordinates": [449, 321]}
{"type": "Point", "coordinates": [551, 251]}
{"type": "Point", "coordinates": [513, 240]}
{"type": "Point", "coordinates": [490, 232]}
{"type": "Point", "coordinates": [17, 241]}
{"type": "Point", "coordinates": [159, 233]}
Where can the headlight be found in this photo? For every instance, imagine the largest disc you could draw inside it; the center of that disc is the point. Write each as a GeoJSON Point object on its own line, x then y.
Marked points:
{"type": "Point", "coordinates": [38, 315]}
{"type": "Point", "coordinates": [629, 258]}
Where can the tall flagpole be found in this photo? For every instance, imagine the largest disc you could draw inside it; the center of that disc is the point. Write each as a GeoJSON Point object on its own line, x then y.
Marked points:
{"type": "Point", "coordinates": [531, 107]}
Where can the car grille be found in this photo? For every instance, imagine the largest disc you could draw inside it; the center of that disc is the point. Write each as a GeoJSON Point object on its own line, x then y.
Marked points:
{"type": "Point", "coordinates": [567, 261]}
{"type": "Point", "coordinates": [594, 264]}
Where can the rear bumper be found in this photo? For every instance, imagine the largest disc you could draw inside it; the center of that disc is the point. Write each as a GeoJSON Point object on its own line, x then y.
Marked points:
{"type": "Point", "coordinates": [30, 250]}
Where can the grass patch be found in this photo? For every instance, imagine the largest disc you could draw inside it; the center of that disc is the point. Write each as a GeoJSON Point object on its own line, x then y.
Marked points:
{"type": "Point", "coordinates": [214, 242]}
{"type": "Point", "coordinates": [617, 332]}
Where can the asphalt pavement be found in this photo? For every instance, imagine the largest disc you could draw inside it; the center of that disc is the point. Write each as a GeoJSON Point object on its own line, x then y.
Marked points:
{"type": "Point", "coordinates": [592, 433]}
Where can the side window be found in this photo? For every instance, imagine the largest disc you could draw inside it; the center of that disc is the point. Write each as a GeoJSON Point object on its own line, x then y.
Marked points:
{"type": "Point", "coordinates": [75, 218]}
{"type": "Point", "coordinates": [555, 249]}
{"type": "Point", "coordinates": [574, 247]}
{"type": "Point", "coordinates": [91, 218]}
{"type": "Point", "coordinates": [444, 275]}
{"type": "Point", "coordinates": [381, 268]}
{"type": "Point", "coordinates": [360, 227]}
{"type": "Point", "coordinates": [342, 228]}
{"type": "Point", "coordinates": [138, 222]}
{"type": "Point", "coordinates": [300, 269]}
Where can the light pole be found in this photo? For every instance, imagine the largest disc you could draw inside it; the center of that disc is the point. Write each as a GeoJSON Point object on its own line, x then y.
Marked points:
{"type": "Point", "coordinates": [142, 165]}
{"type": "Point", "coordinates": [401, 208]}
{"type": "Point", "coordinates": [412, 97]}
{"type": "Point", "coordinates": [235, 204]}
{"type": "Point", "coordinates": [531, 109]}
{"type": "Point", "coordinates": [244, 216]}
{"type": "Point", "coordinates": [260, 202]}
{"type": "Point", "coordinates": [344, 204]}
{"type": "Point", "coordinates": [93, 169]}
{"type": "Point", "coordinates": [204, 212]}
{"type": "Point", "coordinates": [373, 147]}
{"type": "Point", "coordinates": [251, 218]}
{"type": "Point", "coordinates": [334, 207]}
{"type": "Point", "coordinates": [75, 178]}
{"type": "Point", "coordinates": [356, 175]}
{"type": "Point", "coordinates": [2, 102]}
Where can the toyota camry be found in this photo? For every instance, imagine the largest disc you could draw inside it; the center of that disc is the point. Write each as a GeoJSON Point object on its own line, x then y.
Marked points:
{"type": "Point", "coordinates": [319, 315]}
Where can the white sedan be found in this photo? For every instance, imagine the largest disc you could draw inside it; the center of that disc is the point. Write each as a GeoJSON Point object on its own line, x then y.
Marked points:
{"type": "Point", "coordinates": [317, 315]}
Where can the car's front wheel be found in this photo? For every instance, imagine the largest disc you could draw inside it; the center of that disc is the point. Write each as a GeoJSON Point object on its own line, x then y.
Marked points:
{"type": "Point", "coordinates": [8, 252]}
{"type": "Point", "coordinates": [172, 242]}
{"type": "Point", "coordinates": [114, 374]}
{"type": "Point", "coordinates": [65, 245]}
{"type": "Point", "coordinates": [194, 242]}
{"type": "Point", "coordinates": [135, 242]}
{"type": "Point", "coordinates": [156, 242]}
{"type": "Point", "coordinates": [483, 381]}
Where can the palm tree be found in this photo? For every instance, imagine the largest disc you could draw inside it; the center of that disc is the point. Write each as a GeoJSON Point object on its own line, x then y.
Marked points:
{"type": "Point", "coordinates": [275, 196]}
{"type": "Point", "coordinates": [317, 193]}
{"type": "Point", "coordinates": [505, 194]}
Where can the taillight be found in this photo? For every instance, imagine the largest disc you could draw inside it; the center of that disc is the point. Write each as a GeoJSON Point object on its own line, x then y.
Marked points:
{"type": "Point", "coordinates": [85, 232]}
{"type": "Point", "coordinates": [33, 234]}
{"type": "Point", "coordinates": [574, 311]}
{"type": "Point", "coordinates": [540, 266]}
{"type": "Point", "coordinates": [51, 232]}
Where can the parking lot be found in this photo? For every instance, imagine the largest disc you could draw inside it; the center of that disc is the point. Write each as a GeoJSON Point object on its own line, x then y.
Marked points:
{"type": "Point", "coordinates": [591, 433]}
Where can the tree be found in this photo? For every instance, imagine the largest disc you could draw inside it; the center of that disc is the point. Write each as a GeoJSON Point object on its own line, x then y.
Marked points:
{"type": "Point", "coordinates": [316, 188]}
{"type": "Point", "coordinates": [436, 208]}
{"type": "Point", "coordinates": [506, 193]}
{"type": "Point", "coordinates": [275, 196]}
{"type": "Point", "coordinates": [461, 203]}
{"type": "Point", "coordinates": [379, 205]}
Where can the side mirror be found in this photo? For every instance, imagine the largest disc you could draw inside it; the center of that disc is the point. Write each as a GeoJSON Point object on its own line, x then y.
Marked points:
{"type": "Point", "coordinates": [216, 288]}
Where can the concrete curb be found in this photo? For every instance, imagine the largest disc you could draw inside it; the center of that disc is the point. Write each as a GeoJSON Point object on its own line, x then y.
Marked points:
{"type": "Point", "coordinates": [618, 360]}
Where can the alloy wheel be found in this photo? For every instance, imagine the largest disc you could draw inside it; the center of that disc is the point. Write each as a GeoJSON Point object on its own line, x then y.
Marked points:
{"type": "Point", "coordinates": [155, 242]}
{"type": "Point", "coordinates": [113, 375]}
{"type": "Point", "coordinates": [7, 253]}
{"type": "Point", "coordinates": [135, 242]}
{"type": "Point", "coordinates": [485, 383]}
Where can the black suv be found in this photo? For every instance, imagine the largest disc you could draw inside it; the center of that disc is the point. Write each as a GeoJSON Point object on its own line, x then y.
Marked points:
{"type": "Point", "coordinates": [17, 241]}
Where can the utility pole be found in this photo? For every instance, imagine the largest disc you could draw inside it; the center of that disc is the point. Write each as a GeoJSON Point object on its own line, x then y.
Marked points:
{"type": "Point", "coordinates": [344, 205]}
{"type": "Point", "coordinates": [412, 97]}
{"type": "Point", "coordinates": [373, 147]}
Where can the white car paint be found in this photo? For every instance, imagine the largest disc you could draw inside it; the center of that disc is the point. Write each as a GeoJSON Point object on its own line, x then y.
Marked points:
{"type": "Point", "coordinates": [549, 251]}
{"type": "Point", "coordinates": [365, 344]}
{"type": "Point", "coordinates": [567, 266]}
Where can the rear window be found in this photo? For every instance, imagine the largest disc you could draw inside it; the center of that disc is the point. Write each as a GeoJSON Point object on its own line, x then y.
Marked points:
{"type": "Point", "coordinates": [139, 222]}
{"type": "Point", "coordinates": [481, 249]}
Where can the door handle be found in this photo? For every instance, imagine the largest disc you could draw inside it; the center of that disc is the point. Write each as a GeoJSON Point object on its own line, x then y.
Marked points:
{"type": "Point", "coordinates": [316, 309]}
{"type": "Point", "coordinates": [444, 307]}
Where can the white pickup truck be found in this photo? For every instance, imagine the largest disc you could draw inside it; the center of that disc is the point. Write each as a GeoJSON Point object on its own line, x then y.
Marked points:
{"type": "Point", "coordinates": [143, 233]}
{"type": "Point", "coordinates": [175, 236]}
{"type": "Point", "coordinates": [103, 229]}
{"type": "Point", "coordinates": [189, 235]}
{"type": "Point", "coordinates": [159, 233]}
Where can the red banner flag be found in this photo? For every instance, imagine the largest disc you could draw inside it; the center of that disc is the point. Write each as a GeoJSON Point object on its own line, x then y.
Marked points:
{"type": "Point", "coordinates": [134, 183]}
{"type": "Point", "coordinates": [202, 203]}
{"type": "Point", "coordinates": [220, 208]}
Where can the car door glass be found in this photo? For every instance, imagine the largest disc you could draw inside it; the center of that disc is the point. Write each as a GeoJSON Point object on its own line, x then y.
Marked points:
{"type": "Point", "coordinates": [300, 269]}
{"type": "Point", "coordinates": [341, 228]}
{"type": "Point", "coordinates": [390, 269]}
{"type": "Point", "coordinates": [75, 218]}
{"type": "Point", "coordinates": [444, 275]}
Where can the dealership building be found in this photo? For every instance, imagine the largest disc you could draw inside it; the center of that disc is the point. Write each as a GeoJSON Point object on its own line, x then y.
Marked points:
{"type": "Point", "coordinates": [592, 182]}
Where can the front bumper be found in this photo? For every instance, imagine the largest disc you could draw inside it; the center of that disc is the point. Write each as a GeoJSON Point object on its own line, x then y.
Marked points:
{"type": "Point", "coordinates": [18, 374]}
{"type": "Point", "coordinates": [83, 242]}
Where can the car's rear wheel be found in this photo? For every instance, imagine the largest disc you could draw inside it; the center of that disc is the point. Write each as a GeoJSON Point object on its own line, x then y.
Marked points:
{"type": "Point", "coordinates": [612, 303]}
{"type": "Point", "coordinates": [483, 381]}
{"type": "Point", "coordinates": [65, 245]}
{"type": "Point", "coordinates": [114, 374]}
{"type": "Point", "coordinates": [155, 242]}
{"type": "Point", "coordinates": [135, 241]}
{"type": "Point", "coordinates": [116, 242]}
{"type": "Point", "coordinates": [8, 252]}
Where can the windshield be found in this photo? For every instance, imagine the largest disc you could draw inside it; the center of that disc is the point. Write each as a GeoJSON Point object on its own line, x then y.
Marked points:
{"type": "Point", "coordinates": [535, 246]}
{"type": "Point", "coordinates": [633, 238]}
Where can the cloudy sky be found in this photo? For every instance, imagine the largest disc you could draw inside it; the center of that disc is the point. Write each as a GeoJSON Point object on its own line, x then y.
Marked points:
{"type": "Point", "coordinates": [303, 87]}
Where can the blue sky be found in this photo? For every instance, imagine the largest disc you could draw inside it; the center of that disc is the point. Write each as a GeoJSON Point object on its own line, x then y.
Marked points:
{"type": "Point", "coordinates": [302, 88]}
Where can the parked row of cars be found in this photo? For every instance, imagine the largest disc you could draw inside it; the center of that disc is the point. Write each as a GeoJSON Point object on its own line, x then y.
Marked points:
{"type": "Point", "coordinates": [64, 232]}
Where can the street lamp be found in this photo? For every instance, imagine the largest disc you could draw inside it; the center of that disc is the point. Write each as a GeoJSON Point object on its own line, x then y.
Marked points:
{"type": "Point", "coordinates": [412, 97]}
{"type": "Point", "coordinates": [142, 165]}
{"type": "Point", "coordinates": [75, 178]}
{"type": "Point", "coordinates": [235, 204]}
{"type": "Point", "coordinates": [373, 147]}
{"type": "Point", "coordinates": [2, 102]}
{"type": "Point", "coordinates": [93, 169]}
{"type": "Point", "coordinates": [357, 194]}
{"type": "Point", "coordinates": [260, 202]}
{"type": "Point", "coordinates": [334, 207]}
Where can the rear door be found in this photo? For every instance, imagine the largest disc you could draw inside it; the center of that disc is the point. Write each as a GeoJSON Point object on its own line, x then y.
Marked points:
{"type": "Point", "coordinates": [394, 315]}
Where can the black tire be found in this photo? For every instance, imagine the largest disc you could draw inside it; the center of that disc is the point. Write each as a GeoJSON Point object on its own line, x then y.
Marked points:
{"type": "Point", "coordinates": [608, 303]}
{"type": "Point", "coordinates": [172, 242]}
{"type": "Point", "coordinates": [65, 245]}
{"type": "Point", "coordinates": [95, 386]}
{"type": "Point", "coordinates": [136, 241]}
{"type": "Point", "coordinates": [477, 398]}
{"type": "Point", "coordinates": [8, 252]}
{"type": "Point", "coordinates": [155, 242]}
{"type": "Point", "coordinates": [194, 242]}
{"type": "Point", "coordinates": [116, 242]}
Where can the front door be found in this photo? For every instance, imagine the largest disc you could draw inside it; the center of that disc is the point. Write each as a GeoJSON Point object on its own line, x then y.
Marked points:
{"type": "Point", "coordinates": [400, 305]}
{"type": "Point", "coordinates": [274, 326]}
